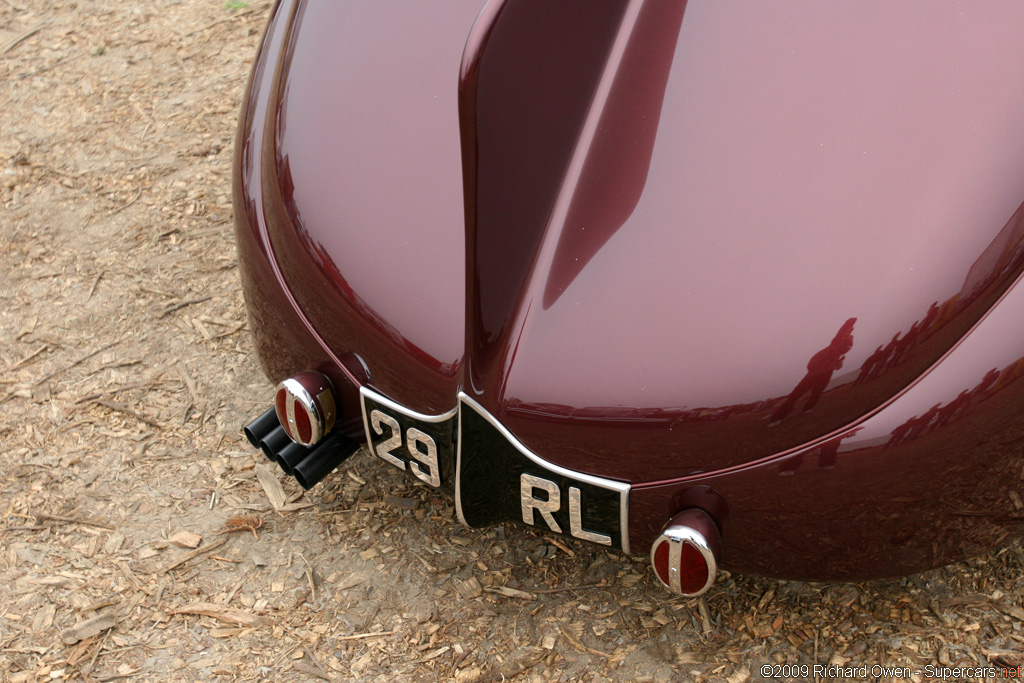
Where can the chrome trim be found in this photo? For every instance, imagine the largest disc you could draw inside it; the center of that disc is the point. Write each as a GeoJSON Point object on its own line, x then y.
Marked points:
{"type": "Point", "coordinates": [369, 393]}
{"type": "Point", "coordinates": [412, 437]}
{"type": "Point", "coordinates": [576, 514]}
{"type": "Point", "coordinates": [618, 486]}
{"type": "Point", "coordinates": [676, 535]}
{"type": "Point", "coordinates": [297, 393]}
{"type": "Point", "coordinates": [376, 419]}
{"type": "Point", "coordinates": [458, 467]}
{"type": "Point", "coordinates": [530, 504]}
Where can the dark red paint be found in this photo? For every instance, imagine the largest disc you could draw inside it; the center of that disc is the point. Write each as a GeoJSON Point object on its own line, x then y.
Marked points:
{"type": "Point", "coordinates": [518, 143]}
{"type": "Point", "coordinates": [875, 498]}
{"type": "Point", "coordinates": [629, 238]}
{"type": "Point", "coordinates": [615, 154]}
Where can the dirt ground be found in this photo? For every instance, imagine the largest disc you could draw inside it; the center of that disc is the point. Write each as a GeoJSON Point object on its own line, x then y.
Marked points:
{"type": "Point", "coordinates": [126, 374]}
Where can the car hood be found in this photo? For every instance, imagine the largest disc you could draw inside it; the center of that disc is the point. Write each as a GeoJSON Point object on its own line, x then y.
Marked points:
{"type": "Point", "coordinates": [651, 238]}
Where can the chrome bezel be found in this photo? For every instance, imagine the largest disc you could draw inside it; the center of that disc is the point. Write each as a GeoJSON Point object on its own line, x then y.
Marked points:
{"type": "Point", "coordinates": [365, 392]}
{"type": "Point", "coordinates": [676, 535]}
{"type": "Point", "coordinates": [317, 426]}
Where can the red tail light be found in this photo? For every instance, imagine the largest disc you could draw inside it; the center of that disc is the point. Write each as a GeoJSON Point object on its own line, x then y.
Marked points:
{"type": "Point", "coordinates": [685, 554]}
{"type": "Point", "coordinates": [305, 407]}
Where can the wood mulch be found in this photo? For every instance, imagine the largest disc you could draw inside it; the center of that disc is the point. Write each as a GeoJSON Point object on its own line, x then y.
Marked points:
{"type": "Point", "coordinates": [139, 536]}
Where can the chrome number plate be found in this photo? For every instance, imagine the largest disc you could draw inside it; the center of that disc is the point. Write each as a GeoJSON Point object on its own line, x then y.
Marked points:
{"type": "Point", "coordinates": [417, 443]}
{"type": "Point", "coordinates": [498, 479]}
{"type": "Point", "coordinates": [493, 476]}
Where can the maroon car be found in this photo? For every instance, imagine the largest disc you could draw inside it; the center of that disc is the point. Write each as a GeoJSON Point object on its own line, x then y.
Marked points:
{"type": "Point", "coordinates": [729, 283]}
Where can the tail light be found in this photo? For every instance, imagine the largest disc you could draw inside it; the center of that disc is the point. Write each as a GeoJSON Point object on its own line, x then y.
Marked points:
{"type": "Point", "coordinates": [685, 554]}
{"type": "Point", "coordinates": [305, 407]}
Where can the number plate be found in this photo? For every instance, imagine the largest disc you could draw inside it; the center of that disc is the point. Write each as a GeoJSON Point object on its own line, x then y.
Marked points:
{"type": "Point", "coordinates": [499, 479]}
{"type": "Point", "coordinates": [420, 444]}
{"type": "Point", "coordinates": [493, 476]}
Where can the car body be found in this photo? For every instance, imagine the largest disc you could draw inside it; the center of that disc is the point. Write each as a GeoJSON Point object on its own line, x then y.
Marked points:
{"type": "Point", "coordinates": [590, 266]}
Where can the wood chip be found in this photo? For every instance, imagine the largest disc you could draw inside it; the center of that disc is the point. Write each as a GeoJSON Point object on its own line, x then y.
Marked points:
{"type": "Point", "coordinates": [399, 502]}
{"type": "Point", "coordinates": [272, 487]}
{"type": "Point", "coordinates": [88, 629]}
{"type": "Point", "coordinates": [740, 676]}
{"type": "Point", "coordinates": [311, 670]}
{"type": "Point", "coordinates": [354, 580]}
{"type": "Point", "coordinates": [470, 588]}
{"type": "Point", "coordinates": [71, 520]}
{"type": "Point", "coordinates": [433, 655]}
{"type": "Point", "coordinates": [229, 615]}
{"type": "Point", "coordinates": [58, 581]}
{"type": "Point", "coordinates": [113, 543]}
{"type": "Point", "coordinates": [361, 636]}
{"type": "Point", "coordinates": [561, 546]}
{"type": "Point", "coordinates": [186, 378]}
{"type": "Point", "coordinates": [185, 539]}
{"type": "Point", "coordinates": [310, 577]}
{"type": "Point", "coordinates": [122, 408]}
{"type": "Point", "coordinates": [705, 615]}
{"type": "Point", "coordinates": [580, 646]}
{"type": "Point", "coordinates": [1009, 610]}
{"type": "Point", "coordinates": [181, 305]}
{"type": "Point", "coordinates": [512, 593]}
{"type": "Point", "coordinates": [26, 360]}
{"type": "Point", "coordinates": [77, 362]}
{"type": "Point", "coordinates": [44, 618]}
{"type": "Point", "coordinates": [23, 37]}
{"type": "Point", "coordinates": [191, 555]}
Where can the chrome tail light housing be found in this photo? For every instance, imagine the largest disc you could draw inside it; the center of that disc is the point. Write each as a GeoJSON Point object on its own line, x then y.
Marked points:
{"type": "Point", "coordinates": [685, 554]}
{"type": "Point", "coordinates": [305, 407]}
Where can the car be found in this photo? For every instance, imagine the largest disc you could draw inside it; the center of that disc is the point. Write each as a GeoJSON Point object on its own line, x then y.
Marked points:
{"type": "Point", "coordinates": [724, 284]}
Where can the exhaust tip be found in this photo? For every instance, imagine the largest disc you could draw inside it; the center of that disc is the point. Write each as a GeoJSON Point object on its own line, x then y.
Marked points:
{"type": "Point", "coordinates": [256, 430]}
{"type": "Point", "coordinates": [273, 443]}
{"type": "Point", "coordinates": [685, 554]}
{"type": "Point", "coordinates": [291, 455]}
{"type": "Point", "coordinates": [305, 407]}
{"type": "Point", "coordinates": [323, 460]}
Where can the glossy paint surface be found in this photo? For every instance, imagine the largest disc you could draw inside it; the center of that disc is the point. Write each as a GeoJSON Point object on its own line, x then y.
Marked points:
{"type": "Point", "coordinates": [614, 284]}
{"type": "Point", "coordinates": [524, 99]}
{"type": "Point", "coordinates": [713, 257]}
{"type": "Point", "coordinates": [811, 167]}
{"type": "Point", "coordinates": [369, 233]}
{"type": "Point", "coordinates": [285, 340]}
{"type": "Point", "coordinates": [737, 246]}
{"type": "Point", "coordinates": [930, 479]}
